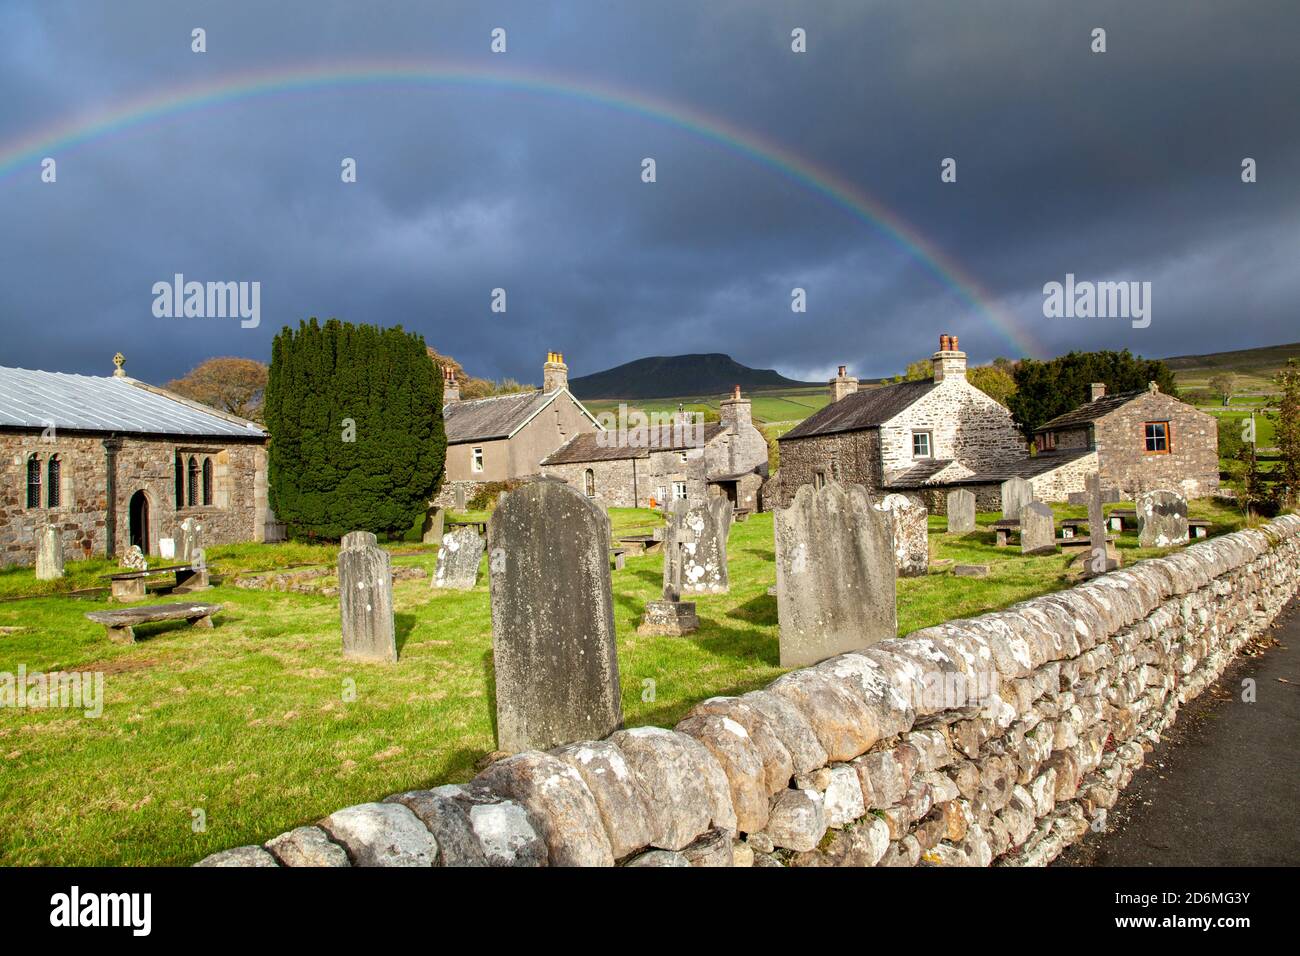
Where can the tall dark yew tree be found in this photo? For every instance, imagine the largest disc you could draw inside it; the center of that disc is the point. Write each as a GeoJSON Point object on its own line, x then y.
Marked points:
{"type": "Point", "coordinates": [1054, 387]}
{"type": "Point", "coordinates": [357, 438]}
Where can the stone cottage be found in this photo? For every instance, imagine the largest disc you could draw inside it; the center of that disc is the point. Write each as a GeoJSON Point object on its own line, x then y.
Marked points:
{"type": "Point", "coordinates": [917, 438]}
{"type": "Point", "coordinates": [1141, 441]}
{"type": "Point", "coordinates": [629, 466]}
{"type": "Point", "coordinates": [113, 462]}
{"type": "Point", "coordinates": [505, 438]}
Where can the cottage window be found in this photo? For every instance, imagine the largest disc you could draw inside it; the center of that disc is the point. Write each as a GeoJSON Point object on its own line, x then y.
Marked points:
{"type": "Point", "coordinates": [920, 444]}
{"type": "Point", "coordinates": [819, 479]}
{"type": "Point", "coordinates": [33, 482]}
{"type": "Point", "coordinates": [683, 456]}
{"type": "Point", "coordinates": [476, 462]}
{"type": "Point", "coordinates": [192, 484]}
{"type": "Point", "coordinates": [1157, 437]}
{"type": "Point", "coordinates": [53, 486]}
{"type": "Point", "coordinates": [180, 482]}
{"type": "Point", "coordinates": [679, 491]}
{"type": "Point", "coordinates": [207, 481]}
{"type": "Point", "coordinates": [589, 483]}
{"type": "Point", "coordinates": [1047, 441]}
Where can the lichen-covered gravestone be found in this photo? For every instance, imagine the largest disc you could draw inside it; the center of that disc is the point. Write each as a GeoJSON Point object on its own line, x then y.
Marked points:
{"type": "Point", "coordinates": [835, 574]}
{"type": "Point", "coordinates": [458, 560]}
{"type": "Point", "coordinates": [366, 599]}
{"type": "Point", "coordinates": [191, 541]}
{"type": "Point", "coordinates": [432, 529]}
{"type": "Point", "coordinates": [961, 511]}
{"type": "Point", "coordinates": [553, 644]}
{"type": "Point", "coordinates": [1037, 529]}
{"type": "Point", "coordinates": [696, 540]}
{"type": "Point", "coordinates": [134, 559]}
{"type": "Point", "coordinates": [49, 553]}
{"type": "Point", "coordinates": [1162, 519]}
{"type": "Point", "coordinates": [910, 523]}
{"type": "Point", "coordinates": [1016, 493]}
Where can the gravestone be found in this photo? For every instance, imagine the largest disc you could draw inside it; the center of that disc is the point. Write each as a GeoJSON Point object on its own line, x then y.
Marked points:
{"type": "Point", "coordinates": [553, 647]}
{"type": "Point", "coordinates": [458, 560]}
{"type": "Point", "coordinates": [460, 497]}
{"type": "Point", "coordinates": [695, 547]}
{"type": "Point", "coordinates": [1016, 493]}
{"type": "Point", "coordinates": [1037, 529]}
{"type": "Point", "coordinates": [910, 529]}
{"type": "Point", "coordinates": [366, 599]}
{"type": "Point", "coordinates": [961, 511]}
{"type": "Point", "coordinates": [432, 529]}
{"type": "Point", "coordinates": [671, 616]}
{"type": "Point", "coordinates": [49, 553]}
{"type": "Point", "coordinates": [835, 574]}
{"type": "Point", "coordinates": [191, 541]}
{"type": "Point", "coordinates": [134, 559]}
{"type": "Point", "coordinates": [1102, 556]}
{"type": "Point", "coordinates": [1162, 519]}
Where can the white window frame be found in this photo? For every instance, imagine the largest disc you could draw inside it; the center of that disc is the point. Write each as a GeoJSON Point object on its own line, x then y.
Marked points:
{"type": "Point", "coordinates": [929, 444]}
{"type": "Point", "coordinates": [476, 459]}
{"type": "Point", "coordinates": [679, 491]}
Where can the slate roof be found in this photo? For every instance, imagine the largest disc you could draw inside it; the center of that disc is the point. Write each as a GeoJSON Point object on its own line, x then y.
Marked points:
{"type": "Point", "coordinates": [35, 399]}
{"type": "Point", "coordinates": [919, 473]}
{"type": "Point", "coordinates": [589, 446]}
{"type": "Point", "coordinates": [1091, 411]}
{"type": "Point", "coordinates": [1029, 467]}
{"type": "Point", "coordinates": [868, 408]}
{"type": "Point", "coordinates": [483, 419]}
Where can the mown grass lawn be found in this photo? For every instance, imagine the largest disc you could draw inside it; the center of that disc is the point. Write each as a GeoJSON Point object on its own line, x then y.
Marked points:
{"type": "Point", "coordinates": [252, 728]}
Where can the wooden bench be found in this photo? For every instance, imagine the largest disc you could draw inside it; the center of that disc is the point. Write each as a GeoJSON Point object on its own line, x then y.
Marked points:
{"type": "Point", "coordinates": [120, 625]}
{"type": "Point", "coordinates": [1117, 515]}
{"type": "Point", "coordinates": [1198, 527]}
{"type": "Point", "coordinates": [130, 585]}
{"type": "Point", "coordinates": [1004, 528]}
{"type": "Point", "coordinates": [479, 526]}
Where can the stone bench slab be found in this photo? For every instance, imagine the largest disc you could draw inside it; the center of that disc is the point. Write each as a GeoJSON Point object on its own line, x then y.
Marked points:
{"type": "Point", "coordinates": [120, 625]}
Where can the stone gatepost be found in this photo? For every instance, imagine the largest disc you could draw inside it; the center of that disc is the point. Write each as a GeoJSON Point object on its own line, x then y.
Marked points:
{"type": "Point", "coordinates": [835, 574]}
{"type": "Point", "coordinates": [695, 547]}
{"type": "Point", "coordinates": [910, 524]}
{"type": "Point", "coordinates": [961, 511]}
{"type": "Point", "coordinates": [458, 560]}
{"type": "Point", "coordinates": [1162, 519]}
{"type": "Point", "coordinates": [553, 640]}
{"type": "Point", "coordinates": [1037, 529]}
{"type": "Point", "coordinates": [49, 553]}
{"type": "Point", "coordinates": [432, 529]}
{"type": "Point", "coordinates": [1016, 493]}
{"type": "Point", "coordinates": [366, 599]}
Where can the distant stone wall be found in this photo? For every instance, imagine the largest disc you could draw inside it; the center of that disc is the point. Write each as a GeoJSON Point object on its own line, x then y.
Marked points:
{"type": "Point", "coordinates": [1059, 483]}
{"type": "Point", "coordinates": [1000, 738]}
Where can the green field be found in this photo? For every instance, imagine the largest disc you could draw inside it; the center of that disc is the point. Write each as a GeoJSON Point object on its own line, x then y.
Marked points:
{"type": "Point", "coordinates": [776, 405]}
{"type": "Point", "coordinates": [251, 726]}
{"type": "Point", "coordinates": [1254, 368]}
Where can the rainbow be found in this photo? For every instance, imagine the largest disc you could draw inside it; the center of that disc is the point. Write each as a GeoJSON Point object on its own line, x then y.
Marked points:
{"type": "Point", "coordinates": [64, 137]}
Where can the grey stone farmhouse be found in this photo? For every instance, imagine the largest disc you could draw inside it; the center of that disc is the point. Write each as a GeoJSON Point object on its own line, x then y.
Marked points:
{"type": "Point", "coordinates": [632, 467]}
{"type": "Point", "coordinates": [505, 437]}
{"type": "Point", "coordinates": [113, 462]}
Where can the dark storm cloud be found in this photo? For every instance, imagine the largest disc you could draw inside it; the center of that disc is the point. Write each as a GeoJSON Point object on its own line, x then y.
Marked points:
{"type": "Point", "coordinates": [1123, 165]}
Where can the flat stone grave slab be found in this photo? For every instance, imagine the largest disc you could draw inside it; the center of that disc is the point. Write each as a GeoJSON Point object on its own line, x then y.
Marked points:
{"type": "Point", "coordinates": [120, 625]}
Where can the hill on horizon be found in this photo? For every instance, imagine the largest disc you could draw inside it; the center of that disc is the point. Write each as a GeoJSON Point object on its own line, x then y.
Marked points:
{"type": "Point", "coordinates": [666, 376]}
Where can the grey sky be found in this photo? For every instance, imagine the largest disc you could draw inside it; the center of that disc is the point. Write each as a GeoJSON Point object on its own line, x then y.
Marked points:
{"type": "Point", "coordinates": [1122, 165]}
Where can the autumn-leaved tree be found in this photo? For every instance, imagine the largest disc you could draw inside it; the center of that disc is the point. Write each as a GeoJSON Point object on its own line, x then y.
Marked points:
{"type": "Point", "coordinates": [993, 381]}
{"type": "Point", "coordinates": [234, 385]}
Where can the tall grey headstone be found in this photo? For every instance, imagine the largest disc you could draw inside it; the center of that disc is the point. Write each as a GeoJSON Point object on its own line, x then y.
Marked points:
{"type": "Point", "coordinates": [1162, 519]}
{"type": "Point", "coordinates": [961, 511]}
{"type": "Point", "coordinates": [458, 560]}
{"type": "Point", "coordinates": [460, 497]}
{"type": "Point", "coordinates": [835, 574]}
{"type": "Point", "coordinates": [695, 547]}
{"type": "Point", "coordinates": [191, 541]}
{"type": "Point", "coordinates": [366, 599]}
{"type": "Point", "coordinates": [432, 529]}
{"type": "Point", "coordinates": [1100, 557]}
{"type": "Point", "coordinates": [553, 642]}
{"type": "Point", "coordinates": [49, 553]}
{"type": "Point", "coordinates": [910, 525]}
{"type": "Point", "coordinates": [1037, 529]}
{"type": "Point", "coordinates": [1016, 493]}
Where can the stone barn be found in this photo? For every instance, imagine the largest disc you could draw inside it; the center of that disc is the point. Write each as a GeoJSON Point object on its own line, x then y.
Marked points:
{"type": "Point", "coordinates": [630, 468]}
{"type": "Point", "coordinates": [113, 462]}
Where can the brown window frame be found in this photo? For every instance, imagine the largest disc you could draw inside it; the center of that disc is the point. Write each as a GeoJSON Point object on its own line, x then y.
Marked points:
{"type": "Point", "coordinates": [1169, 438]}
{"type": "Point", "coordinates": [1047, 441]}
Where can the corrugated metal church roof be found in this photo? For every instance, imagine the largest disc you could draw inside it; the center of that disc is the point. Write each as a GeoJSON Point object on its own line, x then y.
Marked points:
{"type": "Point", "coordinates": [36, 399]}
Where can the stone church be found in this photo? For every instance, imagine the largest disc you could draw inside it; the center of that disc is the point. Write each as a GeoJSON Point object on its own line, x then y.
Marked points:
{"type": "Point", "coordinates": [113, 462]}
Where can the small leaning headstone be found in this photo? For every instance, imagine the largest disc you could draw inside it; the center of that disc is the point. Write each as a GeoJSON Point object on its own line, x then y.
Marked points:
{"type": "Point", "coordinates": [1037, 529]}
{"type": "Point", "coordinates": [366, 599]}
{"type": "Point", "coordinates": [432, 529]}
{"type": "Point", "coordinates": [458, 560]}
{"type": "Point", "coordinates": [1162, 519]}
{"type": "Point", "coordinates": [961, 511]}
{"type": "Point", "coordinates": [835, 574]}
{"type": "Point", "coordinates": [553, 644]}
{"type": "Point", "coordinates": [1016, 493]}
{"type": "Point", "coordinates": [49, 553]}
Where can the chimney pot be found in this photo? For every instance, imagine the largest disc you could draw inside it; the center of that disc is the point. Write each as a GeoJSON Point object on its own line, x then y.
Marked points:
{"type": "Point", "coordinates": [843, 369]}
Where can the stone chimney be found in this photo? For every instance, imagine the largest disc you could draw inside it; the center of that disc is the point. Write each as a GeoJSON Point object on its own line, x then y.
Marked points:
{"type": "Point", "coordinates": [1098, 391]}
{"type": "Point", "coordinates": [949, 361]}
{"type": "Point", "coordinates": [450, 387]}
{"type": "Point", "coordinates": [736, 412]}
{"type": "Point", "coordinates": [555, 374]}
{"type": "Point", "coordinates": [843, 384]}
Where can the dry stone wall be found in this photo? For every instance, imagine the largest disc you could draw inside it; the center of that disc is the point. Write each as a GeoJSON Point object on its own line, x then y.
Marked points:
{"type": "Point", "coordinates": [995, 739]}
